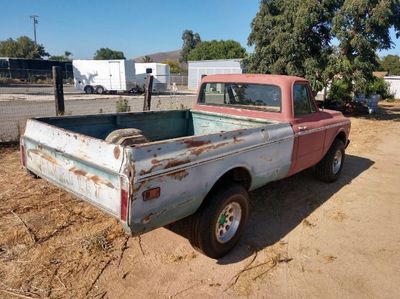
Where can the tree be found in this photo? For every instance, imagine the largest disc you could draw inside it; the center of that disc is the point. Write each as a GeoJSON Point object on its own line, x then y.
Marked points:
{"type": "Point", "coordinates": [107, 53]}
{"type": "Point", "coordinates": [147, 59]}
{"type": "Point", "coordinates": [362, 28]}
{"type": "Point", "coordinates": [22, 47]}
{"type": "Point", "coordinates": [190, 41]}
{"type": "Point", "coordinates": [294, 38]}
{"type": "Point", "coordinates": [222, 49]}
{"type": "Point", "coordinates": [66, 57]}
{"type": "Point", "coordinates": [174, 66]}
{"type": "Point", "coordinates": [391, 64]}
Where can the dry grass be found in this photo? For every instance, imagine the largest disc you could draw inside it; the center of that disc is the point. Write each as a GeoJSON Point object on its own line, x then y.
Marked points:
{"type": "Point", "coordinates": [51, 245]}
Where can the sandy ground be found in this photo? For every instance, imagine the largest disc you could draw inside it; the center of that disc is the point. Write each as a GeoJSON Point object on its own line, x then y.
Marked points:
{"type": "Point", "coordinates": [304, 239]}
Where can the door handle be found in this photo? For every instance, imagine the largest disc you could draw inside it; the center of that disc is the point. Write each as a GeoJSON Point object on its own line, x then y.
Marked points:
{"type": "Point", "coordinates": [302, 128]}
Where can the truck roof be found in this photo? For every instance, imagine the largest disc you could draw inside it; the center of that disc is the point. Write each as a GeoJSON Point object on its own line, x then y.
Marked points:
{"type": "Point", "coordinates": [253, 78]}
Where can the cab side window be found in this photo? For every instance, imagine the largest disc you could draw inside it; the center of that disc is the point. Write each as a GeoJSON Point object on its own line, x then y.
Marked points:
{"type": "Point", "coordinates": [302, 103]}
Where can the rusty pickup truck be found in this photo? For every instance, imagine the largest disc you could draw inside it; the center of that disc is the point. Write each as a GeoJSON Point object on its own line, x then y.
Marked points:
{"type": "Point", "coordinates": [149, 169]}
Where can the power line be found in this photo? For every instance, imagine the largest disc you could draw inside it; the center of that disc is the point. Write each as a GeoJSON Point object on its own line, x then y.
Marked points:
{"type": "Point", "coordinates": [35, 21]}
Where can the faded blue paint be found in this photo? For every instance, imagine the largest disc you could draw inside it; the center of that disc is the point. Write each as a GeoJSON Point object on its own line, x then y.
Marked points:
{"type": "Point", "coordinates": [187, 153]}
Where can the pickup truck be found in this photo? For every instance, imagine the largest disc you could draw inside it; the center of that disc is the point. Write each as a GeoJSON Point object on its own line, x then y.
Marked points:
{"type": "Point", "coordinates": [149, 169]}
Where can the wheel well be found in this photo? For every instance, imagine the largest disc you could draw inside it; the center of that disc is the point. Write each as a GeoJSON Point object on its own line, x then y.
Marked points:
{"type": "Point", "coordinates": [238, 175]}
{"type": "Point", "coordinates": [342, 137]}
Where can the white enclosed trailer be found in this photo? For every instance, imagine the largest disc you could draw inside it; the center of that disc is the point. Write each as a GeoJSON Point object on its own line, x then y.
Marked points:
{"type": "Point", "coordinates": [104, 75]}
{"type": "Point", "coordinates": [394, 85]}
{"type": "Point", "coordinates": [160, 72]}
{"type": "Point", "coordinates": [197, 69]}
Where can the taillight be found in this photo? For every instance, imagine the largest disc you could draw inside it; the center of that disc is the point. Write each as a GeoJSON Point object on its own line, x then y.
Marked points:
{"type": "Point", "coordinates": [124, 204]}
{"type": "Point", "coordinates": [22, 154]}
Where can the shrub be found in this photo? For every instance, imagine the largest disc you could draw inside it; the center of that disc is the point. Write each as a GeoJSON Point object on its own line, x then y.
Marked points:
{"type": "Point", "coordinates": [381, 87]}
{"type": "Point", "coordinates": [122, 105]}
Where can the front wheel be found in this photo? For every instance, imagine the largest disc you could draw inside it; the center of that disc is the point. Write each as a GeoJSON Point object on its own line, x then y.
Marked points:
{"type": "Point", "coordinates": [330, 167]}
{"type": "Point", "coordinates": [219, 223]}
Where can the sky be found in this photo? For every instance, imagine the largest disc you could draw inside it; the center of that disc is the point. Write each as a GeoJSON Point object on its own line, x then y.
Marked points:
{"type": "Point", "coordinates": [135, 27]}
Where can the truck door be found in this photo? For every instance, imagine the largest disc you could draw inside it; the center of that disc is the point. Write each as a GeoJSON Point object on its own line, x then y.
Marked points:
{"type": "Point", "coordinates": [115, 75]}
{"type": "Point", "coordinates": [308, 128]}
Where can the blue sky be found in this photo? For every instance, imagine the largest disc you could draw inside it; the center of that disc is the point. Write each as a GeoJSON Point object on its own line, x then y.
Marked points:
{"type": "Point", "coordinates": [134, 27]}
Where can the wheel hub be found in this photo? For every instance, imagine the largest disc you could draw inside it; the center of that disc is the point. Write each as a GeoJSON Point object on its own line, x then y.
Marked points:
{"type": "Point", "coordinates": [337, 161]}
{"type": "Point", "coordinates": [228, 222]}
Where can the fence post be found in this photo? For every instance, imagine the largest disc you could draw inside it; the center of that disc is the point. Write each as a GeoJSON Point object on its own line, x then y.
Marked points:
{"type": "Point", "coordinates": [147, 95]}
{"type": "Point", "coordinates": [58, 90]}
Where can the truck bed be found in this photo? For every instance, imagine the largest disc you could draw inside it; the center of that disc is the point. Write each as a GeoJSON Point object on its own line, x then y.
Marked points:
{"type": "Point", "coordinates": [156, 126]}
{"type": "Point", "coordinates": [72, 153]}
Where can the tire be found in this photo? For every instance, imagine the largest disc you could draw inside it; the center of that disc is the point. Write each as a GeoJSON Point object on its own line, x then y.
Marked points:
{"type": "Point", "coordinates": [221, 208]}
{"type": "Point", "coordinates": [329, 168]}
{"type": "Point", "coordinates": [100, 89]}
{"type": "Point", "coordinates": [88, 89]}
{"type": "Point", "coordinates": [126, 137]}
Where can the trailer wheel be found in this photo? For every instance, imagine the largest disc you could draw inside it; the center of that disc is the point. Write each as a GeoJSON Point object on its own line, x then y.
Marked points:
{"type": "Point", "coordinates": [100, 89]}
{"type": "Point", "coordinates": [219, 223]}
{"type": "Point", "coordinates": [88, 89]}
{"type": "Point", "coordinates": [329, 168]}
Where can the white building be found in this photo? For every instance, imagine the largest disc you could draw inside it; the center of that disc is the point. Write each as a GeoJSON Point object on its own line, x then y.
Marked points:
{"type": "Point", "coordinates": [394, 82]}
{"type": "Point", "coordinates": [196, 69]}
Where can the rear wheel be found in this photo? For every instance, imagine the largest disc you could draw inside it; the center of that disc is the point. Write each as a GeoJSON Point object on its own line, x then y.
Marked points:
{"type": "Point", "coordinates": [100, 89]}
{"type": "Point", "coordinates": [88, 89]}
{"type": "Point", "coordinates": [330, 167]}
{"type": "Point", "coordinates": [219, 223]}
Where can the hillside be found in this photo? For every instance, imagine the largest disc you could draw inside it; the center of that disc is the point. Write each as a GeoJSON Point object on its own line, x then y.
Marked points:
{"type": "Point", "coordinates": [161, 56]}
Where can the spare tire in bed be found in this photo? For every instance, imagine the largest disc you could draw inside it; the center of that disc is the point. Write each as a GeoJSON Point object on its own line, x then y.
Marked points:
{"type": "Point", "coordinates": [126, 137]}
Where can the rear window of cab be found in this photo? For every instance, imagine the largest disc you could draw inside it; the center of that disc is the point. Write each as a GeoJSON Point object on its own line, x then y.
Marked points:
{"type": "Point", "coordinates": [263, 97]}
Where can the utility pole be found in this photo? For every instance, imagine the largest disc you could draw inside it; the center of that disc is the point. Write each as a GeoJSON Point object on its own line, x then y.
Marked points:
{"type": "Point", "coordinates": [35, 21]}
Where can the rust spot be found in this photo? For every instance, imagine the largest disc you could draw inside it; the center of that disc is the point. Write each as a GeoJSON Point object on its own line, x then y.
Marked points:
{"type": "Point", "coordinates": [237, 140]}
{"type": "Point", "coordinates": [42, 155]}
{"type": "Point", "coordinates": [179, 175]}
{"type": "Point", "coordinates": [78, 171]}
{"type": "Point", "coordinates": [97, 180]}
{"type": "Point", "coordinates": [155, 163]}
{"type": "Point", "coordinates": [174, 163]}
{"type": "Point", "coordinates": [141, 184]}
{"type": "Point", "coordinates": [117, 152]}
{"type": "Point", "coordinates": [151, 215]}
{"type": "Point", "coordinates": [196, 143]}
{"type": "Point", "coordinates": [198, 151]}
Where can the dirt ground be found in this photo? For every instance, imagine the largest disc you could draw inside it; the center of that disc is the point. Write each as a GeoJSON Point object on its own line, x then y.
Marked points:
{"type": "Point", "coordinates": [304, 238]}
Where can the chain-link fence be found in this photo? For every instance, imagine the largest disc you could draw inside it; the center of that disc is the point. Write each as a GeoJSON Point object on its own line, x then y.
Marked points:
{"type": "Point", "coordinates": [22, 100]}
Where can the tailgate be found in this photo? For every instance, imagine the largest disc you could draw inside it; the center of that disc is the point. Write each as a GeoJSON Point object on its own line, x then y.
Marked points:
{"type": "Point", "coordinates": [85, 166]}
